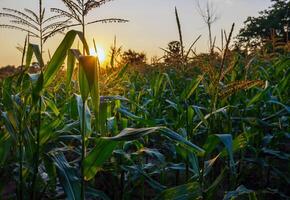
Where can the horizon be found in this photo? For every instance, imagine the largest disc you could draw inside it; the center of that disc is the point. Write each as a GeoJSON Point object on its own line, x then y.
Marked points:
{"type": "Point", "coordinates": [144, 32]}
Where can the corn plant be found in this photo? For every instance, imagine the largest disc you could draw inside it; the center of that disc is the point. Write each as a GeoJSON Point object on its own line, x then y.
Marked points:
{"type": "Point", "coordinates": [79, 9]}
{"type": "Point", "coordinates": [218, 129]}
{"type": "Point", "coordinates": [35, 23]}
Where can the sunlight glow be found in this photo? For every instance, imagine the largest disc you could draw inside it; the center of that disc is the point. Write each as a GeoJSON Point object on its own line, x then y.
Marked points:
{"type": "Point", "coordinates": [100, 53]}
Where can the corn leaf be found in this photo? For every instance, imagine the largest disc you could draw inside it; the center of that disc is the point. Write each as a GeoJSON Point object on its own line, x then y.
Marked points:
{"type": "Point", "coordinates": [67, 176]}
{"type": "Point", "coordinates": [33, 49]}
{"type": "Point", "coordinates": [60, 54]}
{"type": "Point", "coordinates": [97, 156]}
{"type": "Point", "coordinates": [129, 134]}
{"type": "Point", "coordinates": [182, 192]}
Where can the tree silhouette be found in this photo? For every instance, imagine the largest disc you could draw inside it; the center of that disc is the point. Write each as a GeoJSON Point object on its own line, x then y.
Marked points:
{"type": "Point", "coordinates": [273, 21]}
{"type": "Point", "coordinates": [133, 57]}
{"type": "Point", "coordinates": [173, 53]}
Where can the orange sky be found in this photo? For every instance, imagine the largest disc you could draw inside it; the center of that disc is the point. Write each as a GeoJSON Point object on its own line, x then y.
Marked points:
{"type": "Point", "coordinates": [152, 24]}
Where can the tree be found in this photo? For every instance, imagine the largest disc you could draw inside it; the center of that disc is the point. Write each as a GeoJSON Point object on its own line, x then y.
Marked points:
{"type": "Point", "coordinates": [209, 16]}
{"type": "Point", "coordinates": [173, 53]}
{"type": "Point", "coordinates": [133, 57]}
{"type": "Point", "coordinates": [271, 22]}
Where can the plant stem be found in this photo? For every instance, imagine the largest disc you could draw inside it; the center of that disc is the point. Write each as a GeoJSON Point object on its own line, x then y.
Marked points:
{"type": "Point", "coordinates": [20, 161]}
{"type": "Point", "coordinates": [188, 138]}
{"type": "Point", "coordinates": [201, 178]}
{"type": "Point", "coordinates": [179, 32]}
{"type": "Point", "coordinates": [219, 78]}
{"type": "Point", "coordinates": [83, 25]}
{"type": "Point", "coordinates": [83, 132]}
{"type": "Point", "coordinates": [225, 53]}
{"type": "Point", "coordinates": [143, 188]}
{"type": "Point", "coordinates": [35, 171]}
{"type": "Point", "coordinates": [40, 28]}
{"type": "Point", "coordinates": [122, 181]}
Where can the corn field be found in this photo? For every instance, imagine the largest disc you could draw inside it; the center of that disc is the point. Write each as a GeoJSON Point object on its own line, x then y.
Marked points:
{"type": "Point", "coordinates": [209, 126]}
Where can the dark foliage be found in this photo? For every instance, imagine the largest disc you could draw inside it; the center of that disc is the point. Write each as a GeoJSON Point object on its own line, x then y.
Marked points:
{"type": "Point", "coordinates": [273, 21]}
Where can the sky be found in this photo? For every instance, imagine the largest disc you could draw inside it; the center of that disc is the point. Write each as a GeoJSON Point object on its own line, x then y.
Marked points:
{"type": "Point", "coordinates": [151, 24]}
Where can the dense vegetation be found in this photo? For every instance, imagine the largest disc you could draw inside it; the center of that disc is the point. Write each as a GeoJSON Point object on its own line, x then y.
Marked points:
{"type": "Point", "coordinates": [207, 126]}
{"type": "Point", "coordinates": [272, 24]}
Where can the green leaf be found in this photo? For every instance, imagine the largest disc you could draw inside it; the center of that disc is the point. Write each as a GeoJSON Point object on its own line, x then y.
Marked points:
{"type": "Point", "coordinates": [72, 55]}
{"type": "Point", "coordinates": [273, 101]}
{"type": "Point", "coordinates": [191, 157]}
{"type": "Point", "coordinates": [201, 117]}
{"type": "Point", "coordinates": [183, 192]}
{"type": "Point", "coordinates": [89, 83]}
{"type": "Point", "coordinates": [129, 134]}
{"type": "Point", "coordinates": [239, 142]}
{"type": "Point", "coordinates": [89, 65]}
{"type": "Point", "coordinates": [51, 105]}
{"type": "Point", "coordinates": [10, 123]}
{"type": "Point", "coordinates": [278, 154]}
{"type": "Point", "coordinates": [29, 55]}
{"type": "Point", "coordinates": [181, 140]}
{"type": "Point", "coordinates": [122, 72]}
{"type": "Point", "coordinates": [212, 189]}
{"type": "Point", "coordinates": [204, 118]}
{"type": "Point", "coordinates": [51, 172]}
{"type": "Point", "coordinates": [157, 82]}
{"type": "Point", "coordinates": [83, 84]}
{"type": "Point", "coordinates": [60, 54]}
{"type": "Point", "coordinates": [68, 177]}
{"type": "Point", "coordinates": [104, 114]}
{"type": "Point", "coordinates": [91, 192]}
{"type": "Point", "coordinates": [227, 140]}
{"type": "Point", "coordinates": [153, 183]}
{"type": "Point", "coordinates": [258, 96]}
{"type": "Point", "coordinates": [281, 65]}
{"type": "Point", "coordinates": [169, 83]}
{"type": "Point", "coordinates": [154, 153]}
{"type": "Point", "coordinates": [5, 144]}
{"type": "Point", "coordinates": [47, 131]}
{"type": "Point", "coordinates": [97, 156]}
{"type": "Point", "coordinates": [210, 144]}
{"type": "Point", "coordinates": [88, 127]}
{"type": "Point", "coordinates": [241, 190]}
{"type": "Point", "coordinates": [37, 88]}
{"type": "Point", "coordinates": [7, 93]}
{"type": "Point", "coordinates": [189, 90]}
{"type": "Point", "coordinates": [95, 94]}
{"type": "Point", "coordinates": [33, 48]}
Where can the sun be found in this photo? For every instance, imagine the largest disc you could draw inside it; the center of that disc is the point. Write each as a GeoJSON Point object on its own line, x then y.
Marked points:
{"type": "Point", "coordinates": [100, 53]}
